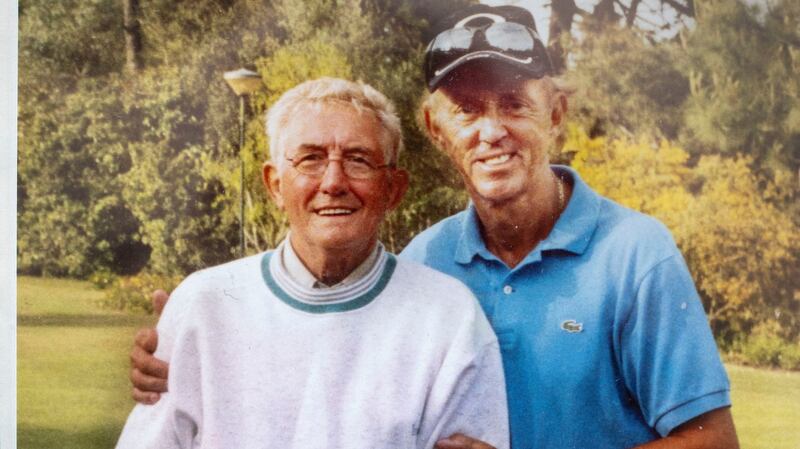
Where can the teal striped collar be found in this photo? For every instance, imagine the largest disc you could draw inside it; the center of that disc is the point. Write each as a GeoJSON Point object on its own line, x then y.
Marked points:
{"type": "Point", "coordinates": [345, 305]}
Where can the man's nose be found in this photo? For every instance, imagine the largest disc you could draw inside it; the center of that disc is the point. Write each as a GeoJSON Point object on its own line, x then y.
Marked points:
{"type": "Point", "coordinates": [334, 180]}
{"type": "Point", "coordinates": [491, 128]}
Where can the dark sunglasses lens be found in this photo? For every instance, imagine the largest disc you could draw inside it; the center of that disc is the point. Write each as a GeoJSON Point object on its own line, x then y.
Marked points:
{"type": "Point", "coordinates": [506, 36]}
{"type": "Point", "coordinates": [457, 39]}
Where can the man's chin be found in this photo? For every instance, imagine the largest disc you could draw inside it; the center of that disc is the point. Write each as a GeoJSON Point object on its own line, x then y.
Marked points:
{"type": "Point", "coordinates": [499, 192]}
{"type": "Point", "coordinates": [339, 239]}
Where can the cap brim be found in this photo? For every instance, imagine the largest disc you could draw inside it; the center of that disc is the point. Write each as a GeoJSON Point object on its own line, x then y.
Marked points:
{"type": "Point", "coordinates": [529, 69]}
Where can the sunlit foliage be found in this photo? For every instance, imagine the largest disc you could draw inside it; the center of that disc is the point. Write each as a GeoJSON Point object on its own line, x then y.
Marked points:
{"type": "Point", "coordinates": [741, 247]}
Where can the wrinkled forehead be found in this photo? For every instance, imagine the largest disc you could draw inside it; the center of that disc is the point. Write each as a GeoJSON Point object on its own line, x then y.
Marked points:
{"type": "Point", "coordinates": [333, 107]}
{"type": "Point", "coordinates": [482, 88]}
{"type": "Point", "coordinates": [332, 123]}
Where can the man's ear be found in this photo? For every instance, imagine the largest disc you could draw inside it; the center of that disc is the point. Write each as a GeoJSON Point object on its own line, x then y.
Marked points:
{"type": "Point", "coordinates": [434, 131]}
{"type": "Point", "coordinates": [272, 182]}
{"type": "Point", "coordinates": [559, 111]}
{"type": "Point", "coordinates": [399, 185]}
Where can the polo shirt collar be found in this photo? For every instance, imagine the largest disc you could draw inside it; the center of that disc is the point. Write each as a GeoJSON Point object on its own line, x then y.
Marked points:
{"type": "Point", "coordinates": [572, 232]}
{"type": "Point", "coordinates": [470, 242]}
{"type": "Point", "coordinates": [576, 225]}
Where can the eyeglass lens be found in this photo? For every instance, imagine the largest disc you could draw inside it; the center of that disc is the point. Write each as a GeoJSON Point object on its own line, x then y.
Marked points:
{"type": "Point", "coordinates": [509, 36]}
{"type": "Point", "coordinates": [503, 36]}
{"type": "Point", "coordinates": [353, 167]}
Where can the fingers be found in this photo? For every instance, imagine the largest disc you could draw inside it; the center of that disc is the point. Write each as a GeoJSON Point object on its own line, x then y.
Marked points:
{"type": "Point", "coordinates": [146, 339]}
{"type": "Point", "coordinates": [143, 360]}
{"type": "Point", "coordinates": [145, 397]}
{"type": "Point", "coordinates": [148, 374]}
{"type": "Point", "coordinates": [160, 298]}
{"type": "Point", "coordinates": [459, 441]}
{"type": "Point", "coordinates": [147, 383]}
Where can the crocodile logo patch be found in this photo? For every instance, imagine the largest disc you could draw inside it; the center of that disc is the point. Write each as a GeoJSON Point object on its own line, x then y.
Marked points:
{"type": "Point", "coordinates": [572, 326]}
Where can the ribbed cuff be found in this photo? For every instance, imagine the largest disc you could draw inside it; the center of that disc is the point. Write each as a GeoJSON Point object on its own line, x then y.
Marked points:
{"type": "Point", "coordinates": [692, 409]}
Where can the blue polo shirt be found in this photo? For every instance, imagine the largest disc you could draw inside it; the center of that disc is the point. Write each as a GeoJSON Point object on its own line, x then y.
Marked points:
{"type": "Point", "coordinates": [605, 342]}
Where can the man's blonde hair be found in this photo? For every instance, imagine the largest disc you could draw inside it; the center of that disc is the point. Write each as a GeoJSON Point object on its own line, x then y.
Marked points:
{"type": "Point", "coordinates": [362, 97]}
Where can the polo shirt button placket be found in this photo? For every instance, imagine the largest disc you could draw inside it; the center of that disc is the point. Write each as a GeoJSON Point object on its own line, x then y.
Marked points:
{"type": "Point", "coordinates": [508, 289]}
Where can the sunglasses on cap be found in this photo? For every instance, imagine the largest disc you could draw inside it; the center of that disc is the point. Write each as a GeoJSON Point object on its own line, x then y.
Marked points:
{"type": "Point", "coordinates": [488, 37]}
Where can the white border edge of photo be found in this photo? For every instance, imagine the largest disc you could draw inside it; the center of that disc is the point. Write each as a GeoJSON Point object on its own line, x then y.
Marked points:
{"type": "Point", "coordinates": [8, 222]}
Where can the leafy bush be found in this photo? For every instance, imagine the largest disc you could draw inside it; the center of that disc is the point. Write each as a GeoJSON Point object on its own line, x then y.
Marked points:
{"type": "Point", "coordinates": [731, 223]}
{"type": "Point", "coordinates": [133, 293]}
{"type": "Point", "coordinates": [790, 358]}
{"type": "Point", "coordinates": [762, 350]}
{"type": "Point", "coordinates": [102, 278]}
{"type": "Point", "coordinates": [765, 347]}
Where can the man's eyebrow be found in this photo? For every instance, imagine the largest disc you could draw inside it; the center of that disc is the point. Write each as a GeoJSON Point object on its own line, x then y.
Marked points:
{"type": "Point", "coordinates": [356, 149]}
{"type": "Point", "coordinates": [514, 96]}
{"type": "Point", "coordinates": [466, 96]}
{"type": "Point", "coordinates": [313, 147]}
{"type": "Point", "coordinates": [310, 147]}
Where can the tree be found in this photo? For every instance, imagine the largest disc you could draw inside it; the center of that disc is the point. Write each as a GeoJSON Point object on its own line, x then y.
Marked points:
{"type": "Point", "coordinates": [72, 219]}
{"type": "Point", "coordinates": [742, 248]}
{"type": "Point", "coordinates": [628, 84]}
{"type": "Point", "coordinates": [133, 35]}
{"type": "Point", "coordinates": [161, 177]}
{"type": "Point", "coordinates": [659, 17]}
{"type": "Point", "coordinates": [743, 64]}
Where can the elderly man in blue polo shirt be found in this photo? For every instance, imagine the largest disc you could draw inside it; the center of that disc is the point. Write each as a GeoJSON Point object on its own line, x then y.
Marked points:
{"type": "Point", "coordinates": [604, 340]}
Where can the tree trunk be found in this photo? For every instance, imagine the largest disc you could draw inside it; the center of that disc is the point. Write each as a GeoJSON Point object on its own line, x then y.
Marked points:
{"type": "Point", "coordinates": [630, 16]}
{"type": "Point", "coordinates": [561, 14]}
{"type": "Point", "coordinates": [604, 13]}
{"type": "Point", "coordinates": [133, 36]}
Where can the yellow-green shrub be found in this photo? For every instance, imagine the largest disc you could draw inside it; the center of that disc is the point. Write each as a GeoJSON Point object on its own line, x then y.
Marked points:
{"type": "Point", "coordinates": [732, 225]}
{"type": "Point", "coordinates": [133, 293]}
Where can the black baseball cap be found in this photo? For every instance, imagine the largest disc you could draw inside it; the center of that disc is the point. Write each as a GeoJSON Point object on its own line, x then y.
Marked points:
{"type": "Point", "coordinates": [483, 34]}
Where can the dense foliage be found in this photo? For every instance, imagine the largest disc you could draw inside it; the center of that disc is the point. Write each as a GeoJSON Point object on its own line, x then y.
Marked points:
{"type": "Point", "coordinates": [745, 269]}
{"type": "Point", "coordinates": [122, 171]}
{"type": "Point", "coordinates": [124, 168]}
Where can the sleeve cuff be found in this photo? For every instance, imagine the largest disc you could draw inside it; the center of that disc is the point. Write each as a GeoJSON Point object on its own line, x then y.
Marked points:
{"type": "Point", "coordinates": [692, 409]}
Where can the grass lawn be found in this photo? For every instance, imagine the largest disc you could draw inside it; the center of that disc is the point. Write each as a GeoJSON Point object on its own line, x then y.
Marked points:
{"type": "Point", "coordinates": [766, 407]}
{"type": "Point", "coordinates": [73, 387]}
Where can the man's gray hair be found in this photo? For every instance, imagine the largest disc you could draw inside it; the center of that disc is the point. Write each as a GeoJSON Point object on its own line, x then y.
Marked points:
{"type": "Point", "coordinates": [334, 90]}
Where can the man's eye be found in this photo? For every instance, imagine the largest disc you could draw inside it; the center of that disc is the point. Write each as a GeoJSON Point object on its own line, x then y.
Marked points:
{"type": "Point", "coordinates": [309, 158]}
{"type": "Point", "coordinates": [468, 108]}
{"type": "Point", "coordinates": [513, 106]}
{"type": "Point", "coordinates": [359, 161]}
{"type": "Point", "coordinates": [309, 161]}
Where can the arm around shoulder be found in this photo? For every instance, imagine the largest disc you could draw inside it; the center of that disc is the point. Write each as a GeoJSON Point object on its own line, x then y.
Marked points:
{"type": "Point", "coordinates": [169, 423]}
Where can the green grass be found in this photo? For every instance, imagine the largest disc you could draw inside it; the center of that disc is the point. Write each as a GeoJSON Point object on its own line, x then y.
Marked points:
{"type": "Point", "coordinates": [72, 387]}
{"type": "Point", "coordinates": [73, 391]}
{"type": "Point", "coordinates": [766, 407]}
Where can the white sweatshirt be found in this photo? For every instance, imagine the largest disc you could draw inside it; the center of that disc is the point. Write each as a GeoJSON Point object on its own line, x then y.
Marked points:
{"type": "Point", "coordinates": [398, 359]}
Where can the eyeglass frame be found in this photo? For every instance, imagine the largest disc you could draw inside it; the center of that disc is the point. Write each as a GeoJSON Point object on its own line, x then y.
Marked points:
{"type": "Point", "coordinates": [373, 169]}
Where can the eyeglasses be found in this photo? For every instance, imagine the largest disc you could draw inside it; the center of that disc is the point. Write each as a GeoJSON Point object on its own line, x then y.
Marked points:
{"type": "Point", "coordinates": [507, 41]}
{"type": "Point", "coordinates": [354, 166]}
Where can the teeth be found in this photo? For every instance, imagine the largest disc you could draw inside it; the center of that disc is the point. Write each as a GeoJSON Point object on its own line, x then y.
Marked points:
{"type": "Point", "coordinates": [497, 159]}
{"type": "Point", "coordinates": [335, 212]}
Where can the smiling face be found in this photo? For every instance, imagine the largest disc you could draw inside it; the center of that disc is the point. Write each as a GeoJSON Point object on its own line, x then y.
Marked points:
{"type": "Point", "coordinates": [497, 132]}
{"type": "Point", "coordinates": [332, 213]}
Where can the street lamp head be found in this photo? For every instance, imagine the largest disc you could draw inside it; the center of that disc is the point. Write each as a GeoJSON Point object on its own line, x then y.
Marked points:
{"type": "Point", "coordinates": [243, 81]}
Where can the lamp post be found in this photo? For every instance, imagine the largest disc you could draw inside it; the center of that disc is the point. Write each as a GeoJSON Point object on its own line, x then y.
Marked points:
{"type": "Point", "coordinates": [243, 82]}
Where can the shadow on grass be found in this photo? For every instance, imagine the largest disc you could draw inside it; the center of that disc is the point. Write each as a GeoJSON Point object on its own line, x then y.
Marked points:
{"type": "Point", "coordinates": [85, 320]}
{"type": "Point", "coordinates": [29, 437]}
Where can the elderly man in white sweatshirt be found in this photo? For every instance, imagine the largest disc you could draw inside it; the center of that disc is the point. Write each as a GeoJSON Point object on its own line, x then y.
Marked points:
{"type": "Point", "coordinates": [328, 341]}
